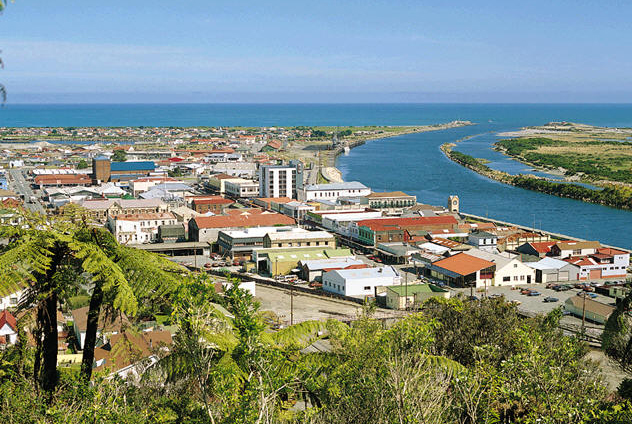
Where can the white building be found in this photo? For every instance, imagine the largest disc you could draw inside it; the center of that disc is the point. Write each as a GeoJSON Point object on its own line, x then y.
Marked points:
{"type": "Point", "coordinates": [333, 191]}
{"type": "Point", "coordinates": [138, 228]}
{"type": "Point", "coordinates": [359, 282]}
{"type": "Point", "coordinates": [8, 328]}
{"type": "Point", "coordinates": [483, 240]}
{"type": "Point", "coordinates": [509, 270]}
{"type": "Point", "coordinates": [297, 210]}
{"type": "Point", "coordinates": [241, 188]}
{"type": "Point", "coordinates": [277, 181]}
{"type": "Point", "coordinates": [10, 300]}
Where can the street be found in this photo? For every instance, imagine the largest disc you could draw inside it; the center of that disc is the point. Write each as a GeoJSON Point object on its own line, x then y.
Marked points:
{"type": "Point", "coordinates": [19, 184]}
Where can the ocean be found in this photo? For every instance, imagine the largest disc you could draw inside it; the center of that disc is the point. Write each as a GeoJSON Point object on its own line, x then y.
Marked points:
{"type": "Point", "coordinates": [412, 163]}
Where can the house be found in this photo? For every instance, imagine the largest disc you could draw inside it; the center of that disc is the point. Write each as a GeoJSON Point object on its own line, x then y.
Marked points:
{"type": "Point", "coordinates": [539, 249]}
{"type": "Point", "coordinates": [581, 306]}
{"type": "Point", "coordinates": [8, 328]}
{"type": "Point", "coordinates": [128, 354]}
{"type": "Point", "coordinates": [483, 240]}
{"type": "Point", "coordinates": [359, 282]}
{"type": "Point", "coordinates": [107, 324]}
{"type": "Point", "coordinates": [412, 295]}
{"type": "Point", "coordinates": [566, 249]}
{"type": "Point", "coordinates": [333, 191]}
{"type": "Point", "coordinates": [551, 270]}
{"type": "Point", "coordinates": [214, 204]}
{"type": "Point", "coordinates": [206, 228]}
{"type": "Point", "coordinates": [10, 298]}
{"type": "Point", "coordinates": [463, 270]}
{"type": "Point", "coordinates": [509, 269]}
{"type": "Point", "coordinates": [395, 200]}
{"type": "Point", "coordinates": [138, 228]}
{"type": "Point", "coordinates": [312, 270]}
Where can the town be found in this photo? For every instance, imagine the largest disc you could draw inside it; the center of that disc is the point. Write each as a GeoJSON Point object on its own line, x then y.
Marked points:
{"type": "Point", "coordinates": [307, 246]}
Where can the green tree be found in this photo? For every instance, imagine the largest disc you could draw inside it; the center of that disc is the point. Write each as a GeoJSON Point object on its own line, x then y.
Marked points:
{"type": "Point", "coordinates": [46, 257]}
{"type": "Point", "coordinates": [119, 156]}
{"type": "Point", "coordinates": [82, 164]}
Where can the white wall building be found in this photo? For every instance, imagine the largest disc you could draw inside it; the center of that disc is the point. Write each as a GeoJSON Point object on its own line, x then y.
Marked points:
{"type": "Point", "coordinates": [241, 188]}
{"type": "Point", "coordinates": [359, 282]}
{"type": "Point", "coordinates": [333, 191]}
{"type": "Point", "coordinates": [10, 300]}
{"type": "Point", "coordinates": [277, 181]}
{"type": "Point", "coordinates": [509, 270]}
{"type": "Point", "coordinates": [483, 240]}
{"type": "Point", "coordinates": [139, 228]}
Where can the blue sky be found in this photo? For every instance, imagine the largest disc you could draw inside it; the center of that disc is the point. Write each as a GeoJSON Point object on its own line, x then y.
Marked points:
{"type": "Point", "coordinates": [317, 51]}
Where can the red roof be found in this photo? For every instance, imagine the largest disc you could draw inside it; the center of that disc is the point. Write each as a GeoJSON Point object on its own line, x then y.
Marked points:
{"type": "Point", "coordinates": [62, 179]}
{"type": "Point", "coordinates": [463, 264]}
{"type": "Point", "coordinates": [7, 318]}
{"type": "Point", "coordinates": [398, 223]}
{"type": "Point", "coordinates": [175, 159]}
{"type": "Point", "coordinates": [610, 251]}
{"type": "Point", "coordinates": [244, 220]}
{"type": "Point", "coordinates": [211, 200]}
{"type": "Point", "coordinates": [542, 246]}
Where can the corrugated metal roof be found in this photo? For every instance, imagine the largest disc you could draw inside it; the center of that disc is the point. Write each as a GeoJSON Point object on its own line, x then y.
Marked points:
{"type": "Point", "coordinates": [133, 166]}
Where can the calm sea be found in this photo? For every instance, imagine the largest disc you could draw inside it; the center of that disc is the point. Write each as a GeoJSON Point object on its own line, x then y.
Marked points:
{"type": "Point", "coordinates": [412, 163]}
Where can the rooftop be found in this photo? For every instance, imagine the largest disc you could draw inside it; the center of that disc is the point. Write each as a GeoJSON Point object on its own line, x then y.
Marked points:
{"type": "Point", "coordinates": [351, 185]}
{"type": "Point", "coordinates": [132, 166]}
{"type": "Point", "coordinates": [463, 264]}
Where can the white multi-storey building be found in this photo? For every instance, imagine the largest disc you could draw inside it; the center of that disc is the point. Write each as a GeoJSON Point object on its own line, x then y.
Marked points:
{"type": "Point", "coordinates": [277, 181]}
{"type": "Point", "coordinates": [139, 228]}
{"type": "Point", "coordinates": [241, 188]}
{"type": "Point", "coordinates": [333, 191]}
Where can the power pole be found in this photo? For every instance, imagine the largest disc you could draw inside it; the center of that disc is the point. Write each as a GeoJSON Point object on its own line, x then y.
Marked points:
{"type": "Point", "coordinates": [291, 303]}
{"type": "Point", "coordinates": [406, 289]}
{"type": "Point", "coordinates": [584, 313]}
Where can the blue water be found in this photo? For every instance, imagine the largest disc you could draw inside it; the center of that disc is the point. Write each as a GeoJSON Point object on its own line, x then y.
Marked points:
{"type": "Point", "coordinates": [412, 163]}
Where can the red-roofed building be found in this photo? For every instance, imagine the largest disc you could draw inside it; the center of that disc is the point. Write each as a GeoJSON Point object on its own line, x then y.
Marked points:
{"type": "Point", "coordinates": [463, 270]}
{"type": "Point", "coordinates": [540, 249]}
{"type": "Point", "coordinates": [206, 228]}
{"type": "Point", "coordinates": [8, 328]}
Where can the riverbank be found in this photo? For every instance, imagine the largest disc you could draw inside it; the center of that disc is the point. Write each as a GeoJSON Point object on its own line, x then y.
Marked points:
{"type": "Point", "coordinates": [611, 195]}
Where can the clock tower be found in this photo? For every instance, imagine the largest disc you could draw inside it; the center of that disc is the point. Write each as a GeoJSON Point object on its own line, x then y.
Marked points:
{"type": "Point", "coordinates": [453, 203]}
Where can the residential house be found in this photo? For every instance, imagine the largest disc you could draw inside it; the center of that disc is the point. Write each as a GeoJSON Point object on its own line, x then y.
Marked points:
{"type": "Point", "coordinates": [483, 240]}
{"type": "Point", "coordinates": [566, 249]}
{"type": "Point", "coordinates": [8, 328]}
{"type": "Point", "coordinates": [108, 324]}
{"type": "Point", "coordinates": [539, 249]}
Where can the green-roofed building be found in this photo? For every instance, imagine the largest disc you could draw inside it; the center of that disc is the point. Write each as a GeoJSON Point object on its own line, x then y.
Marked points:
{"type": "Point", "coordinates": [413, 295]}
{"type": "Point", "coordinates": [280, 261]}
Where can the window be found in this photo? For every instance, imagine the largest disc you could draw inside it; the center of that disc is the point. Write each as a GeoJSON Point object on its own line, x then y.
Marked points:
{"type": "Point", "coordinates": [13, 300]}
{"type": "Point", "coordinates": [515, 278]}
{"type": "Point", "coordinates": [506, 278]}
{"type": "Point", "coordinates": [522, 278]}
{"type": "Point", "coordinates": [515, 265]}
{"type": "Point", "coordinates": [367, 288]}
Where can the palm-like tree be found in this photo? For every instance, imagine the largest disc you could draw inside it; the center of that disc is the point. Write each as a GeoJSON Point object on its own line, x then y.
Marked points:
{"type": "Point", "coordinates": [46, 254]}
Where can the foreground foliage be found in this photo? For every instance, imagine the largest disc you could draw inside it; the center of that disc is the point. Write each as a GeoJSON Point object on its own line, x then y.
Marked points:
{"type": "Point", "coordinates": [454, 362]}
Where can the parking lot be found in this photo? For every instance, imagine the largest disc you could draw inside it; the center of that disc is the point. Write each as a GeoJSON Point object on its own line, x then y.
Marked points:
{"type": "Point", "coordinates": [536, 304]}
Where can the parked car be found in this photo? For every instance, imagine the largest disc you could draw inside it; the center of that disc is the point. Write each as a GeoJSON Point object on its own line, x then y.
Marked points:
{"type": "Point", "coordinates": [551, 299]}
{"type": "Point", "coordinates": [534, 293]}
{"type": "Point", "coordinates": [588, 288]}
{"type": "Point", "coordinates": [563, 287]}
{"type": "Point", "coordinates": [525, 291]}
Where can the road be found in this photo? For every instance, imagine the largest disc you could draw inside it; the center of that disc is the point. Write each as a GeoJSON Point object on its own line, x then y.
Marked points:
{"type": "Point", "coordinates": [22, 187]}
